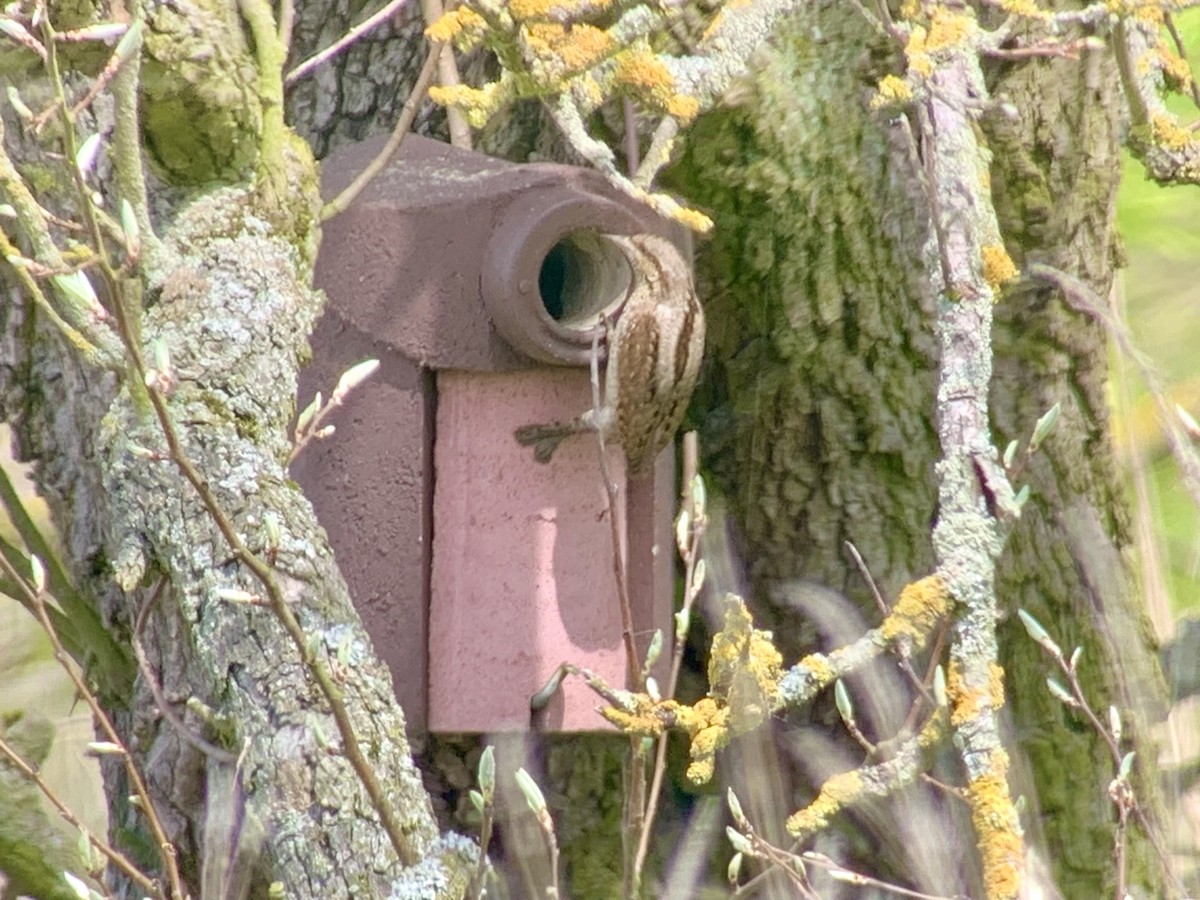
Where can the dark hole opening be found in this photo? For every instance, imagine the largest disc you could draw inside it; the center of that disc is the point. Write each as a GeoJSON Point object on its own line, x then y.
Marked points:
{"type": "Point", "coordinates": [552, 279]}
{"type": "Point", "coordinates": [580, 277]}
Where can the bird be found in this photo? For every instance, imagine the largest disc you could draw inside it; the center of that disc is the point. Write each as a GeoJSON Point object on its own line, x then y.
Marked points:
{"type": "Point", "coordinates": [654, 354]}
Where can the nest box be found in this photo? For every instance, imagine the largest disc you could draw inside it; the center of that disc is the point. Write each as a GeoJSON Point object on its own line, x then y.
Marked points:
{"type": "Point", "coordinates": [477, 570]}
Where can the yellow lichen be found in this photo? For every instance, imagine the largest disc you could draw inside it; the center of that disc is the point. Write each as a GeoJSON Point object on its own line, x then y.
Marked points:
{"type": "Point", "coordinates": [563, 51]}
{"type": "Point", "coordinates": [683, 107]}
{"type": "Point", "coordinates": [711, 735]}
{"type": "Point", "coordinates": [1175, 69]}
{"type": "Point", "coordinates": [998, 267]}
{"type": "Point", "coordinates": [948, 29]}
{"type": "Point", "coordinates": [644, 75]}
{"type": "Point", "coordinates": [892, 91]}
{"type": "Point", "coordinates": [920, 607]}
{"type": "Point", "coordinates": [646, 717]}
{"type": "Point", "coordinates": [916, 52]}
{"type": "Point", "coordinates": [817, 665]}
{"type": "Point", "coordinates": [998, 829]}
{"type": "Point", "coordinates": [744, 672]}
{"type": "Point", "coordinates": [744, 667]}
{"type": "Point", "coordinates": [1027, 8]}
{"type": "Point", "coordinates": [1148, 12]}
{"type": "Point", "coordinates": [836, 794]}
{"type": "Point", "coordinates": [693, 219]}
{"type": "Point", "coordinates": [967, 702]}
{"type": "Point", "coordinates": [706, 724]}
{"type": "Point", "coordinates": [538, 10]}
{"type": "Point", "coordinates": [996, 684]}
{"type": "Point", "coordinates": [462, 25]}
{"type": "Point", "coordinates": [477, 103]}
{"type": "Point", "coordinates": [1168, 134]}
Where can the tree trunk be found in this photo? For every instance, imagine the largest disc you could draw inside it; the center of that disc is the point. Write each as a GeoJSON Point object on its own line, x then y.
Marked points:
{"type": "Point", "coordinates": [818, 402]}
{"type": "Point", "coordinates": [228, 295]}
{"type": "Point", "coordinates": [818, 428]}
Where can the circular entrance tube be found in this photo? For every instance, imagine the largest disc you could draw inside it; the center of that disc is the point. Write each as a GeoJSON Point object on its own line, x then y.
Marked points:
{"type": "Point", "coordinates": [550, 274]}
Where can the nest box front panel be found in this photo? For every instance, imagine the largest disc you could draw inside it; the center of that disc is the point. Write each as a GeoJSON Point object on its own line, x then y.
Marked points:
{"type": "Point", "coordinates": [522, 574]}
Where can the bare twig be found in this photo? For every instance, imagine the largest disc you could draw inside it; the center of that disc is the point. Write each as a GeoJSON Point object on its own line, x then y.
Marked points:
{"type": "Point", "coordinates": [160, 699]}
{"type": "Point", "coordinates": [345, 41]}
{"type": "Point", "coordinates": [1181, 49]}
{"type": "Point", "coordinates": [448, 76]}
{"type": "Point", "coordinates": [1120, 790]}
{"type": "Point", "coordinates": [407, 116]}
{"type": "Point", "coordinates": [845, 876]}
{"type": "Point", "coordinates": [34, 594]}
{"type": "Point", "coordinates": [612, 492]}
{"type": "Point", "coordinates": [1081, 297]}
{"type": "Point", "coordinates": [635, 789]}
{"type": "Point", "coordinates": [111, 853]}
{"type": "Point", "coordinates": [691, 591]}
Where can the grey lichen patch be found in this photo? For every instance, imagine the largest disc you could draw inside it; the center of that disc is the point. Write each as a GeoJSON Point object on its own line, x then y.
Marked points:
{"type": "Point", "coordinates": [234, 311]}
{"type": "Point", "coordinates": [443, 873]}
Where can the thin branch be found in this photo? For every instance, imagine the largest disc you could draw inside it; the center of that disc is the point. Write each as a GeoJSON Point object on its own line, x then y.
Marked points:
{"type": "Point", "coordinates": [342, 43]}
{"type": "Point", "coordinates": [129, 172]}
{"type": "Point", "coordinates": [160, 699]}
{"type": "Point", "coordinates": [448, 76]}
{"type": "Point", "coordinates": [111, 853]}
{"type": "Point", "coordinates": [691, 591]}
{"type": "Point", "coordinates": [1081, 297]}
{"type": "Point", "coordinates": [1181, 49]}
{"type": "Point", "coordinates": [166, 849]}
{"type": "Point", "coordinates": [407, 116]}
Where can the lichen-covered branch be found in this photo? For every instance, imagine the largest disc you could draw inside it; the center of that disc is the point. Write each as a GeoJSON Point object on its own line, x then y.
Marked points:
{"type": "Point", "coordinates": [554, 51]}
{"type": "Point", "coordinates": [973, 490]}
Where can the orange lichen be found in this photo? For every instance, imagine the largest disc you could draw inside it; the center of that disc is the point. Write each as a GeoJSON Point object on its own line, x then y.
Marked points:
{"type": "Point", "coordinates": [537, 10]}
{"type": "Point", "coordinates": [836, 794]}
{"type": "Point", "coordinates": [997, 829]}
{"type": "Point", "coordinates": [566, 51]}
{"type": "Point", "coordinates": [1168, 134]}
{"type": "Point", "coordinates": [892, 91]}
{"type": "Point", "coordinates": [465, 26]}
{"type": "Point", "coordinates": [920, 607]}
{"type": "Point", "coordinates": [646, 76]}
{"type": "Point", "coordinates": [998, 267]}
{"type": "Point", "coordinates": [949, 29]}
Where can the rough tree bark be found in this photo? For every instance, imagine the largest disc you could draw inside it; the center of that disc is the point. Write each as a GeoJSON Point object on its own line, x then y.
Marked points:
{"type": "Point", "coordinates": [228, 294]}
{"type": "Point", "coordinates": [817, 417]}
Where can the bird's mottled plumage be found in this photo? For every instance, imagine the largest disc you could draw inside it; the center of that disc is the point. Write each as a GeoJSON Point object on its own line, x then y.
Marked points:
{"type": "Point", "coordinates": [654, 354]}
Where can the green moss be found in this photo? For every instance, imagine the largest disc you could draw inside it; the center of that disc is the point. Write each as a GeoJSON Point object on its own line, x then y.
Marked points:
{"type": "Point", "coordinates": [199, 111]}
